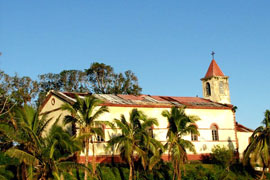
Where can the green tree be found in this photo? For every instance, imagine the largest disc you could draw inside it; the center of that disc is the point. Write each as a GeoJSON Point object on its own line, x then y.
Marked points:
{"type": "Point", "coordinates": [19, 90]}
{"type": "Point", "coordinates": [104, 80]}
{"type": "Point", "coordinates": [125, 83]}
{"type": "Point", "coordinates": [5, 86]}
{"type": "Point", "coordinates": [179, 125]}
{"type": "Point", "coordinates": [135, 140]}
{"type": "Point", "coordinates": [258, 150]}
{"type": "Point", "coordinates": [98, 78]}
{"type": "Point", "coordinates": [24, 89]}
{"type": "Point", "coordinates": [66, 80]}
{"type": "Point", "coordinates": [101, 77]}
{"type": "Point", "coordinates": [85, 112]}
{"type": "Point", "coordinates": [42, 154]}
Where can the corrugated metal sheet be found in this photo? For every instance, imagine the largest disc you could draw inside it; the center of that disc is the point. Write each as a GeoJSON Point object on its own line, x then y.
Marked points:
{"type": "Point", "coordinates": [152, 100]}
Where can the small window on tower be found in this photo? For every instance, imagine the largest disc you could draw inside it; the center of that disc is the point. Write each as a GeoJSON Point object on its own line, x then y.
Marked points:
{"type": "Point", "coordinates": [221, 87]}
{"type": "Point", "coordinates": [208, 89]}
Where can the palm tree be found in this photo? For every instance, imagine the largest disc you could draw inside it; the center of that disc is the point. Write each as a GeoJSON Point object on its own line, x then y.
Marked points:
{"type": "Point", "coordinates": [258, 150]}
{"type": "Point", "coordinates": [134, 139]}
{"type": "Point", "coordinates": [45, 154]}
{"type": "Point", "coordinates": [85, 112]}
{"type": "Point", "coordinates": [53, 157]}
{"type": "Point", "coordinates": [24, 128]}
{"type": "Point", "coordinates": [179, 125]}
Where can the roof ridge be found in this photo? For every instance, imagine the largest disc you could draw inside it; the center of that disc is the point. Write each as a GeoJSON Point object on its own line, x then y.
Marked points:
{"type": "Point", "coordinates": [213, 70]}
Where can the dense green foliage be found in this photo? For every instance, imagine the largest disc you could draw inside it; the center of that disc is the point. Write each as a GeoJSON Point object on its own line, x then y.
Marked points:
{"type": "Point", "coordinates": [41, 152]}
{"type": "Point", "coordinates": [196, 171]}
{"type": "Point", "coordinates": [222, 156]}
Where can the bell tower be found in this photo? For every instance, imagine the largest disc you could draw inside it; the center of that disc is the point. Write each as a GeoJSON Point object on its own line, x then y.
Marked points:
{"type": "Point", "coordinates": [216, 84]}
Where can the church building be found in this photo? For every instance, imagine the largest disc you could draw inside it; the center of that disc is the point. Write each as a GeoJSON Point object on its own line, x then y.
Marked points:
{"type": "Point", "coordinates": [217, 124]}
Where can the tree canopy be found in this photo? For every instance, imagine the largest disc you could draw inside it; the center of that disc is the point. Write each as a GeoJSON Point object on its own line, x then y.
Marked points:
{"type": "Point", "coordinates": [98, 78]}
{"type": "Point", "coordinates": [104, 80]}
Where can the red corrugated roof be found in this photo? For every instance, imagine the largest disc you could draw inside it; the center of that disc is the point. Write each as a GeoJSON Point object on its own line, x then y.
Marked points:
{"type": "Point", "coordinates": [190, 99]}
{"type": "Point", "coordinates": [213, 70]}
{"type": "Point", "coordinates": [131, 97]}
{"type": "Point", "coordinates": [149, 101]}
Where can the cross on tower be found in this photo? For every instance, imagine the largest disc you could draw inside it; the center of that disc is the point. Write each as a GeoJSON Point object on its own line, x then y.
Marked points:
{"type": "Point", "coordinates": [213, 54]}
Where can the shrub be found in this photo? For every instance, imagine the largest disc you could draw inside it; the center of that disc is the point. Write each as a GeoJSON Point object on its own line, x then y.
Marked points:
{"type": "Point", "coordinates": [222, 156]}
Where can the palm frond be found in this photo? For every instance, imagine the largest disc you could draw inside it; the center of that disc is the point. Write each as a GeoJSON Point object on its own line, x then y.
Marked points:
{"type": "Point", "coordinates": [97, 131]}
{"type": "Point", "coordinates": [22, 156]}
{"type": "Point", "coordinates": [44, 122]}
{"type": "Point", "coordinates": [99, 112]}
{"type": "Point", "coordinates": [67, 165]}
{"type": "Point", "coordinates": [69, 119]}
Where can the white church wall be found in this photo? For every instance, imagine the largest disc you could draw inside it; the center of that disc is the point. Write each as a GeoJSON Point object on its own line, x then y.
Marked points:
{"type": "Point", "coordinates": [222, 118]}
{"type": "Point", "coordinates": [243, 138]}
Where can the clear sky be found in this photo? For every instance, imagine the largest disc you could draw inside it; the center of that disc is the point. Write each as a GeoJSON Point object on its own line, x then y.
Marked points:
{"type": "Point", "coordinates": [167, 44]}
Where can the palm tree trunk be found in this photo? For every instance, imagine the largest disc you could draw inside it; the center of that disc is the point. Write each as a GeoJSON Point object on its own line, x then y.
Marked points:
{"type": "Point", "coordinates": [130, 171]}
{"type": "Point", "coordinates": [24, 175]}
{"type": "Point", "coordinates": [61, 176]}
{"type": "Point", "coordinates": [93, 159]}
{"type": "Point", "coordinates": [86, 156]}
{"type": "Point", "coordinates": [169, 153]}
{"type": "Point", "coordinates": [179, 174]}
{"type": "Point", "coordinates": [262, 177]}
{"type": "Point", "coordinates": [178, 169]}
{"type": "Point", "coordinates": [184, 167]}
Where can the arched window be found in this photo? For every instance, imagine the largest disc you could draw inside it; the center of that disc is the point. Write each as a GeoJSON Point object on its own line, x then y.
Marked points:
{"type": "Point", "coordinates": [208, 89]}
{"type": "Point", "coordinates": [214, 130]}
{"type": "Point", "coordinates": [221, 87]}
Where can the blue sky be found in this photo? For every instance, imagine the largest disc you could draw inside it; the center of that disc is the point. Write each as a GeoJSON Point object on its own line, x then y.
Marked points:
{"type": "Point", "coordinates": [166, 43]}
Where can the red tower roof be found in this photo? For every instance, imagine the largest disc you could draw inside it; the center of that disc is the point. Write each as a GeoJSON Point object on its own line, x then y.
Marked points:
{"type": "Point", "coordinates": [213, 70]}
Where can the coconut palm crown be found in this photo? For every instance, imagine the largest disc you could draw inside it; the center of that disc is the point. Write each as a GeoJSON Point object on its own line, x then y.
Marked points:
{"type": "Point", "coordinates": [179, 126]}
{"type": "Point", "coordinates": [135, 140]}
{"type": "Point", "coordinates": [258, 151]}
{"type": "Point", "coordinates": [85, 113]}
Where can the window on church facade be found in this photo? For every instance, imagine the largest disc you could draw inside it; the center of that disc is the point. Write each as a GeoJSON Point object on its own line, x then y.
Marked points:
{"type": "Point", "coordinates": [151, 132]}
{"type": "Point", "coordinates": [221, 87]}
{"type": "Point", "coordinates": [99, 138]}
{"type": "Point", "coordinates": [208, 89]}
{"type": "Point", "coordinates": [194, 137]}
{"type": "Point", "coordinates": [214, 130]}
